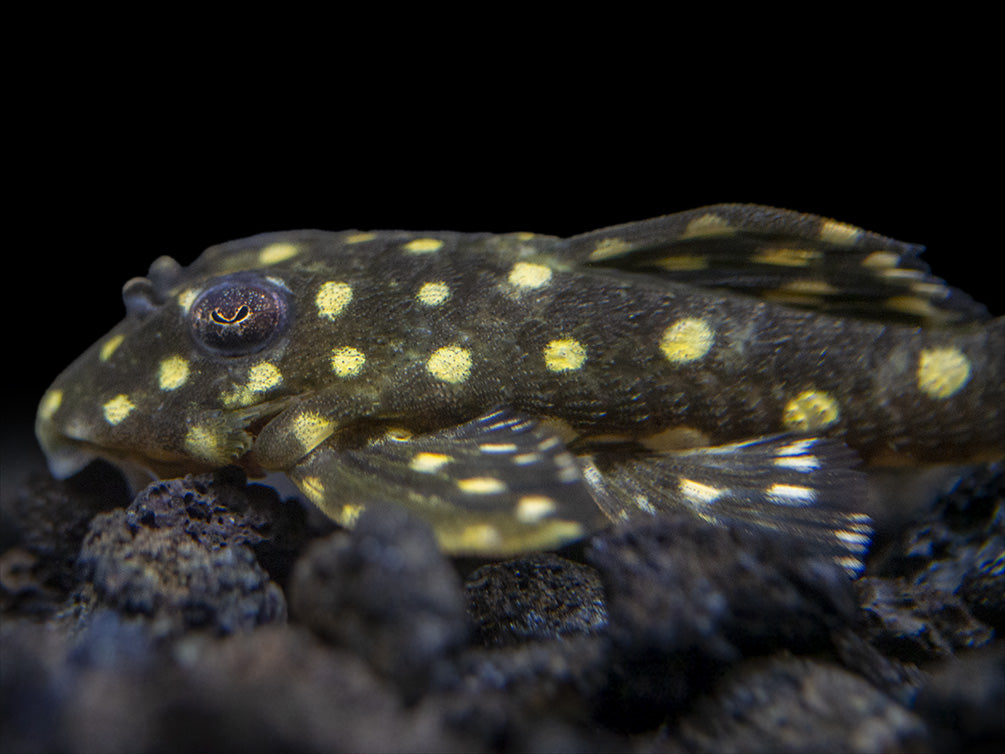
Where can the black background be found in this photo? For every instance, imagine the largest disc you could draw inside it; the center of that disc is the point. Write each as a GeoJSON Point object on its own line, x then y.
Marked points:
{"type": "Point", "coordinates": [101, 190]}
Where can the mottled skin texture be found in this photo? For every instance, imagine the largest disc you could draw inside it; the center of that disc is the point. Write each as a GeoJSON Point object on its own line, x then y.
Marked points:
{"type": "Point", "coordinates": [356, 363]}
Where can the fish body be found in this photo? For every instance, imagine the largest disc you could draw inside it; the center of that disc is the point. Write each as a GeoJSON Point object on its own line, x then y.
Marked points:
{"type": "Point", "coordinates": [520, 390]}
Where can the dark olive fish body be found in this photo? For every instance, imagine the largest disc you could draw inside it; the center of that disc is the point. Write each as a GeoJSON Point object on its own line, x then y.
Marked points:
{"type": "Point", "coordinates": [519, 390]}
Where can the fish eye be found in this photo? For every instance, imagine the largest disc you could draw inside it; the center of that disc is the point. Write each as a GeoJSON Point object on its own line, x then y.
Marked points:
{"type": "Point", "coordinates": [237, 317]}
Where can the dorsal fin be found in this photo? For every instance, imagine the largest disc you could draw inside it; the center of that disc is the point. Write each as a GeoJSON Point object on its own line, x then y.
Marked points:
{"type": "Point", "coordinates": [801, 260]}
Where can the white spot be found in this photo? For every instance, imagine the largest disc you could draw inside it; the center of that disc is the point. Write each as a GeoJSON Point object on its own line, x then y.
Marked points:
{"type": "Point", "coordinates": [856, 540]}
{"type": "Point", "coordinates": [481, 485]}
{"type": "Point", "coordinates": [644, 505]}
{"type": "Point", "coordinates": [532, 508]}
{"type": "Point", "coordinates": [497, 447]}
{"type": "Point", "coordinates": [804, 463]}
{"type": "Point", "coordinates": [791, 494]}
{"type": "Point", "coordinates": [523, 459]}
{"type": "Point", "coordinates": [698, 492]}
{"type": "Point", "coordinates": [429, 463]}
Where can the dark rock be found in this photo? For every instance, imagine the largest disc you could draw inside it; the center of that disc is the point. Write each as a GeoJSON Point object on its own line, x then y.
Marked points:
{"type": "Point", "coordinates": [790, 704]}
{"type": "Point", "coordinates": [179, 555]}
{"type": "Point", "coordinates": [686, 599]}
{"type": "Point", "coordinates": [47, 520]}
{"type": "Point", "coordinates": [271, 690]}
{"type": "Point", "coordinates": [385, 591]}
{"type": "Point", "coordinates": [896, 678]}
{"type": "Point", "coordinates": [537, 597]}
{"type": "Point", "coordinates": [914, 622]}
{"type": "Point", "coordinates": [501, 696]}
{"type": "Point", "coordinates": [983, 588]}
{"type": "Point", "coordinates": [957, 546]}
{"type": "Point", "coordinates": [963, 701]}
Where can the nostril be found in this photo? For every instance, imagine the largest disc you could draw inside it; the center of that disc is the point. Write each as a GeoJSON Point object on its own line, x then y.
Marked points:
{"type": "Point", "coordinates": [139, 297]}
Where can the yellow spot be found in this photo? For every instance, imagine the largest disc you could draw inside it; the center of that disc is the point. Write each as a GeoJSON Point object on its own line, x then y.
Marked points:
{"type": "Point", "coordinates": [350, 512]}
{"type": "Point", "coordinates": [332, 298]}
{"type": "Point", "coordinates": [687, 340]}
{"type": "Point", "coordinates": [683, 262]}
{"type": "Point", "coordinates": [700, 493]}
{"type": "Point", "coordinates": [532, 508]}
{"type": "Point", "coordinates": [264, 376]}
{"type": "Point", "coordinates": [429, 463]}
{"type": "Point", "coordinates": [118, 408]}
{"type": "Point", "coordinates": [481, 485]}
{"type": "Point", "coordinates": [608, 248]}
{"type": "Point", "coordinates": [360, 237]}
{"type": "Point", "coordinates": [810, 410]}
{"type": "Point", "coordinates": [277, 252]}
{"type": "Point", "coordinates": [173, 373]}
{"type": "Point", "coordinates": [109, 346]}
{"type": "Point", "coordinates": [942, 372]}
{"type": "Point", "coordinates": [423, 245]}
{"type": "Point", "coordinates": [881, 260]}
{"type": "Point", "coordinates": [841, 234]}
{"type": "Point", "coordinates": [50, 404]}
{"type": "Point", "coordinates": [529, 275]}
{"type": "Point", "coordinates": [524, 235]}
{"type": "Point", "coordinates": [347, 361]}
{"type": "Point", "coordinates": [902, 273]}
{"type": "Point", "coordinates": [920, 307]}
{"type": "Point", "coordinates": [433, 294]}
{"type": "Point", "coordinates": [478, 537]}
{"type": "Point", "coordinates": [314, 488]}
{"type": "Point", "coordinates": [311, 429]}
{"type": "Point", "coordinates": [707, 225]}
{"type": "Point", "coordinates": [810, 287]}
{"type": "Point", "coordinates": [677, 438]}
{"type": "Point", "coordinates": [450, 364]}
{"type": "Point", "coordinates": [564, 355]}
{"type": "Point", "coordinates": [205, 442]}
{"type": "Point", "coordinates": [786, 257]}
{"type": "Point", "coordinates": [186, 298]}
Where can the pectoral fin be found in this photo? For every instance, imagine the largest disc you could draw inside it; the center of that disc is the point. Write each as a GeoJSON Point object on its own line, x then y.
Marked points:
{"type": "Point", "coordinates": [497, 485]}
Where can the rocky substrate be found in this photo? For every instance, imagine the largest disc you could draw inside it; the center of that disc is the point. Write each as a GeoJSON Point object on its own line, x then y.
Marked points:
{"type": "Point", "coordinates": [209, 615]}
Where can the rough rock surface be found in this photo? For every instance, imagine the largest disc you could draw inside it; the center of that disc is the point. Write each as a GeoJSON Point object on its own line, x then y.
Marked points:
{"type": "Point", "coordinates": [162, 624]}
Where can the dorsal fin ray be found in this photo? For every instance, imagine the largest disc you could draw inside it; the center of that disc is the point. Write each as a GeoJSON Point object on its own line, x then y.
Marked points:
{"type": "Point", "coordinates": [801, 260]}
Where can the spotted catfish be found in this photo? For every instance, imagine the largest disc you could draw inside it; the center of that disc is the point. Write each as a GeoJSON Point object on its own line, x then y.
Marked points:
{"type": "Point", "coordinates": [519, 390]}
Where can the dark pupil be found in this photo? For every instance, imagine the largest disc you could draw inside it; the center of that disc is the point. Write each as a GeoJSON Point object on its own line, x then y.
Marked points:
{"type": "Point", "coordinates": [238, 318]}
{"type": "Point", "coordinates": [223, 318]}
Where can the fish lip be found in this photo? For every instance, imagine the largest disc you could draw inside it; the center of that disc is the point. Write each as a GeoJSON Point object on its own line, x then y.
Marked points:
{"type": "Point", "coordinates": [67, 454]}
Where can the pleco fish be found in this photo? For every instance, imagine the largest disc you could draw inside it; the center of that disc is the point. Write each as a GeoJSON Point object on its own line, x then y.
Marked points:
{"type": "Point", "coordinates": [518, 391]}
